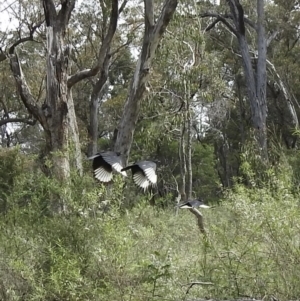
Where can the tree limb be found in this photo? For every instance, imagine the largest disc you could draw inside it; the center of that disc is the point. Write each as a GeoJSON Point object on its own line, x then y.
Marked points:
{"type": "Point", "coordinates": [152, 35]}
{"type": "Point", "coordinates": [237, 16]}
{"type": "Point", "coordinates": [272, 37]}
{"type": "Point", "coordinates": [218, 19]}
{"type": "Point", "coordinates": [50, 12]}
{"type": "Point", "coordinates": [104, 50]}
{"type": "Point", "coordinates": [11, 49]}
{"type": "Point", "coordinates": [122, 6]}
{"type": "Point", "coordinates": [24, 91]}
{"type": "Point", "coordinates": [196, 283]}
{"type": "Point", "coordinates": [21, 120]}
{"type": "Point", "coordinates": [199, 217]}
{"type": "Point", "coordinates": [226, 16]}
{"type": "Point", "coordinates": [286, 95]}
{"type": "Point", "coordinates": [119, 48]}
{"type": "Point", "coordinates": [64, 14]}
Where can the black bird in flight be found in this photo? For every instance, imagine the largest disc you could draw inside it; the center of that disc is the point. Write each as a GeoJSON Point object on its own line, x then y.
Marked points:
{"type": "Point", "coordinates": [104, 163]}
{"type": "Point", "coordinates": [143, 173]}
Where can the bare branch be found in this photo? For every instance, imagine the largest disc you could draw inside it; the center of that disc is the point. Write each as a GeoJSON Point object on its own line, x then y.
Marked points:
{"type": "Point", "coordinates": [192, 62]}
{"type": "Point", "coordinates": [122, 6]}
{"type": "Point", "coordinates": [199, 217]}
{"type": "Point", "coordinates": [286, 95]}
{"type": "Point", "coordinates": [219, 18]}
{"type": "Point", "coordinates": [18, 42]}
{"type": "Point", "coordinates": [21, 120]}
{"type": "Point", "coordinates": [222, 17]}
{"type": "Point", "coordinates": [272, 37]}
{"type": "Point", "coordinates": [237, 16]}
{"type": "Point", "coordinates": [11, 49]}
{"type": "Point", "coordinates": [178, 198]}
{"type": "Point", "coordinates": [119, 48]}
{"type": "Point", "coordinates": [196, 283]}
{"type": "Point", "coordinates": [24, 91]}
{"type": "Point", "coordinates": [104, 50]}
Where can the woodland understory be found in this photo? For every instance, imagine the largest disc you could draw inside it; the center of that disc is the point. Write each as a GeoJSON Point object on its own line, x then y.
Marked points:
{"type": "Point", "coordinates": [206, 89]}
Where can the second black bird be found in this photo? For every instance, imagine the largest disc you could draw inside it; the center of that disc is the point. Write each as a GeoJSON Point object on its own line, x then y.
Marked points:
{"type": "Point", "coordinates": [143, 173]}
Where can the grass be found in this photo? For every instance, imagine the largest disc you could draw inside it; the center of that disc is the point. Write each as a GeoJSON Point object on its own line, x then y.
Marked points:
{"type": "Point", "coordinates": [148, 253]}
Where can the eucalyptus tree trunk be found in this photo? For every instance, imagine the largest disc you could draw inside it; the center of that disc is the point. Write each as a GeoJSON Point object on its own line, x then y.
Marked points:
{"type": "Point", "coordinates": [104, 63]}
{"type": "Point", "coordinates": [256, 81]}
{"type": "Point", "coordinates": [261, 80]}
{"type": "Point", "coordinates": [189, 188]}
{"type": "Point", "coordinates": [152, 35]}
{"type": "Point", "coordinates": [74, 134]}
{"type": "Point", "coordinates": [54, 114]}
{"type": "Point", "coordinates": [96, 96]}
{"type": "Point", "coordinates": [57, 92]}
{"type": "Point", "coordinates": [182, 157]}
{"type": "Point", "coordinates": [57, 114]}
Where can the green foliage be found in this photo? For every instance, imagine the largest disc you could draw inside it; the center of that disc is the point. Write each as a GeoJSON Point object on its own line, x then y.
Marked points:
{"type": "Point", "coordinates": [110, 244]}
{"type": "Point", "coordinates": [11, 164]}
{"type": "Point", "coordinates": [102, 248]}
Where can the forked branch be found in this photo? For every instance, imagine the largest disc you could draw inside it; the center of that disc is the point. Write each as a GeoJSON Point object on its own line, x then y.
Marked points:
{"type": "Point", "coordinates": [104, 50]}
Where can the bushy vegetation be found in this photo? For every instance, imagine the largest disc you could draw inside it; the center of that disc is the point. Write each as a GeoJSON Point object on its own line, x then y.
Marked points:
{"type": "Point", "coordinates": [101, 250]}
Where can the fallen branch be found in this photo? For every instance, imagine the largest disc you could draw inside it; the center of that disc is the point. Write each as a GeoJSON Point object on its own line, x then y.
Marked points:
{"type": "Point", "coordinates": [196, 283]}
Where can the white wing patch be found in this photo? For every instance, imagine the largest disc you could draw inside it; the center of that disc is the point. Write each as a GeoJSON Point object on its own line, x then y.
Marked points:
{"type": "Point", "coordinates": [185, 207]}
{"type": "Point", "coordinates": [140, 180]}
{"type": "Point", "coordinates": [93, 157]}
{"type": "Point", "coordinates": [114, 161]}
{"type": "Point", "coordinates": [204, 206]}
{"type": "Point", "coordinates": [117, 167]}
{"type": "Point", "coordinates": [151, 175]}
{"type": "Point", "coordinates": [102, 175]}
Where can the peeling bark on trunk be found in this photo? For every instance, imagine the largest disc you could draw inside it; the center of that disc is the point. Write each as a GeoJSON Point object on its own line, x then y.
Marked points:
{"type": "Point", "coordinates": [57, 102]}
{"type": "Point", "coordinates": [153, 33]}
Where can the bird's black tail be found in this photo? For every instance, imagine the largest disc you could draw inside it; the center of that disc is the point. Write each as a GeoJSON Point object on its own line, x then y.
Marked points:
{"type": "Point", "coordinates": [127, 167]}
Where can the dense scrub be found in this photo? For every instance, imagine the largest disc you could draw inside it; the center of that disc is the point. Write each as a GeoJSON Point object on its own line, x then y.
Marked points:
{"type": "Point", "coordinates": [110, 248]}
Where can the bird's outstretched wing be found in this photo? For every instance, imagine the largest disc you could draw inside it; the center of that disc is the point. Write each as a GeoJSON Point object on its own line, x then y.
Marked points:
{"type": "Point", "coordinates": [193, 204]}
{"type": "Point", "coordinates": [143, 173]}
{"type": "Point", "coordinates": [104, 163]}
